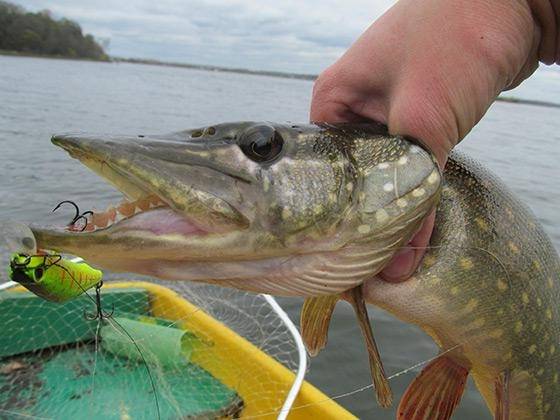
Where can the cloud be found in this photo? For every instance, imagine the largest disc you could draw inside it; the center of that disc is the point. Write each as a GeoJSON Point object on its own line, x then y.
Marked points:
{"type": "Point", "coordinates": [290, 35]}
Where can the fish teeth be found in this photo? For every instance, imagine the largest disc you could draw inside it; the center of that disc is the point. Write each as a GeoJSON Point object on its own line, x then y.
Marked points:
{"type": "Point", "coordinates": [89, 228]}
{"type": "Point", "coordinates": [123, 211]}
{"type": "Point", "coordinates": [127, 209]}
{"type": "Point", "coordinates": [144, 204]}
{"type": "Point", "coordinates": [100, 219]}
{"type": "Point", "coordinates": [112, 212]}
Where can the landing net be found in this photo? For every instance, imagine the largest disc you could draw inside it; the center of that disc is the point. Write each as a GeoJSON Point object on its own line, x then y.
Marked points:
{"type": "Point", "coordinates": [164, 350]}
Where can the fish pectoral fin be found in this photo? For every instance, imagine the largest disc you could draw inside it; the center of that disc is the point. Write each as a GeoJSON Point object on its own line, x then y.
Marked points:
{"type": "Point", "coordinates": [501, 386]}
{"type": "Point", "coordinates": [315, 318]}
{"type": "Point", "coordinates": [434, 394]}
{"type": "Point", "coordinates": [383, 391]}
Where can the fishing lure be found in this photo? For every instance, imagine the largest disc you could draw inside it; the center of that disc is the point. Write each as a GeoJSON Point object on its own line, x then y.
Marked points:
{"type": "Point", "coordinates": [52, 277]}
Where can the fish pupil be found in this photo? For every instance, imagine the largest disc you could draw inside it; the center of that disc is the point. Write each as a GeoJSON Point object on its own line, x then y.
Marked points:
{"type": "Point", "coordinates": [261, 144]}
{"type": "Point", "coordinates": [262, 147]}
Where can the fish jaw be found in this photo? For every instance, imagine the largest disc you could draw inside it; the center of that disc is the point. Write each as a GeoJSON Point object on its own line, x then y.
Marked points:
{"type": "Point", "coordinates": [285, 209]}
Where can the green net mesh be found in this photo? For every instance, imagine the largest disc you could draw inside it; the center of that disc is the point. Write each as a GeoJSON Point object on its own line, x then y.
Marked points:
{"type": "Point", "coordinates": [166, 350]}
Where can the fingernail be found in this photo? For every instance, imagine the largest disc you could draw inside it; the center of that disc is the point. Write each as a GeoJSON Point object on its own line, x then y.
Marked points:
{"type": "Point", "coordinates": [401, 266]}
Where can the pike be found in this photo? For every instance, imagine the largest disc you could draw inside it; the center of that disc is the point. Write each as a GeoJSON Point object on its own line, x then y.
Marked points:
{"type": "Point", "coordinates": [315, 211]}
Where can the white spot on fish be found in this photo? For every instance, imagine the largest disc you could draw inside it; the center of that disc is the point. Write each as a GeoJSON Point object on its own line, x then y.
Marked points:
{"type": "Point", "coordinates": [429, 260]}
{"type": "Point", "coordinates": [433, 178]}
{"type": "Point", "coordinates": [509, 212]}
{"type": "Point", "coordinates": [381, 215]}
{"type": "Point", "coordinates": [502, 285]}
{"type": "Point", "coordinates": [286, 213]}
{"type": "Point", "coordinates": [403, 160]}
{"type": "Point", "coordinates": [481, 223]}
{"type": "Point", "coordinates": [532, 348]}
{"type": "Point", "coordinates": [471, 305]}
{"type": "Point", "coordinates": [363, 229]}
{"type": "Point", "coordinates": [496, 333]}
{"type": "Point", "coordinates": [418, 192]}
{"type": "Point", "coordinates": [388, 187]}
{"type": "Point", "coordinates": [466, 263]}
{"type": "Point", "coordinates": [383, 165]}
{"type": "Point", "coordinates": [479, 322]}
{"type": "Point", "coordinates": [401, 202]}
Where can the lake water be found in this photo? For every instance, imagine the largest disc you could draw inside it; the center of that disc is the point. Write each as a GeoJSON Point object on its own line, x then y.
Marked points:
{"type": "Point", "coordinates": [39, 97]}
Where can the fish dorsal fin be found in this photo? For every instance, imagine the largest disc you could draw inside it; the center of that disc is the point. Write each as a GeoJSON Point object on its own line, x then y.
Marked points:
{"type": "Point", "coordinates": [434, 394]}
{"type": "Point", "coordinates": [502, 397]}
{"type": "Point", "coordinates": [315, 318]}
{"type": "Point", "coordinates": [383, 391]}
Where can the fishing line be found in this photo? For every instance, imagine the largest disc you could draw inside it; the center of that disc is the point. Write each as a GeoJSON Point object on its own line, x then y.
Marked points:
{"type": "Point", "coordinates": [109, 319]}
{"type": "Point", "coordinates": [96, 350]}
{"type": "Point", "coordinates": [121, 330]}
{"type": "Point", "coordinates": [96, 302]}
{"type": "Point", "coordinates": [152, 382]}
{"type": "Point", "coordinates": [363, 388]}
{"type": "Point", "coordinates": [419, 364]}
{"type": "Point", "coordinates": [27, 416]}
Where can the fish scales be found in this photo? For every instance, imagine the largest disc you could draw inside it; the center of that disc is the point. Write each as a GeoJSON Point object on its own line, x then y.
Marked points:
{"type": "Point", "coordinates": [490, 285]}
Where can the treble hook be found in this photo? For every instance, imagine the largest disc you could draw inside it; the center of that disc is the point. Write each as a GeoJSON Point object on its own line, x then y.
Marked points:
{"type": "Point", "coordinates": [78, 215]}
{"type": "Point", "coordinates": [99, 314]}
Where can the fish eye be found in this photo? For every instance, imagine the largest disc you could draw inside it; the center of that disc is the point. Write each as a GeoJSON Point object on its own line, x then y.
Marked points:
{"type": "Point", "coordinates": [39, 273]}
{"type": "Point", "coordinates": [261, 143]}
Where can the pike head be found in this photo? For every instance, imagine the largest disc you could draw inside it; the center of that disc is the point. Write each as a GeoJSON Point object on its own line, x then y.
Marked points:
{"type": "Point", "coordinates": [303, 210]}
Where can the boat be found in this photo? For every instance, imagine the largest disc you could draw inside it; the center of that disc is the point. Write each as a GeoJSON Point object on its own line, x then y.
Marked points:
{"type": "Point", "coordinates": [145, 352]}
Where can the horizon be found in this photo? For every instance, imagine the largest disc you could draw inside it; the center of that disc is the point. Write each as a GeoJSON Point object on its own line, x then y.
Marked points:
{"type": "Point", "coordinates": [293, 37]}
{"type": "Point", "coordinates": [308, 52]}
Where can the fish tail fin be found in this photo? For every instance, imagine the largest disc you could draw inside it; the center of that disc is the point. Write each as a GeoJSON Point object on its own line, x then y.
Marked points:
{"type": "Point", "coordinates": [315, 318]}
{"type": "Point", "coordinates": [383, 391]}
{"type": "Point", "coordinates": [434, 394]}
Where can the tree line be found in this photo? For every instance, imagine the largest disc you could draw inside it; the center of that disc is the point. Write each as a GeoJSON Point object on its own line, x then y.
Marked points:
{"type": "Point", "coordinates": [38, 33]}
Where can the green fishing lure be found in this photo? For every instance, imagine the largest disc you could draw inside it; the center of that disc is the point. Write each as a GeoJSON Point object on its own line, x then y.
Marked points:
{"type": "Point", "coordinates": [52, 277]}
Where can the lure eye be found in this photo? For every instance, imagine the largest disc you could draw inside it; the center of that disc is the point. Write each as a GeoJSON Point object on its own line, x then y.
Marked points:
{"type": "Point", "coordinates": [39, 273]}
{"type": "Point", "coordinates": [261, 143]}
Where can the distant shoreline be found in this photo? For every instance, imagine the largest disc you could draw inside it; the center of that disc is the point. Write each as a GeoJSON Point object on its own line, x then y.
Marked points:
{"type": "Point", "coordinates": [210, 68]}
{"type": "Point", "coordinates": [54, 57]}
{"type": "Point", "coordinates": [284, 75]}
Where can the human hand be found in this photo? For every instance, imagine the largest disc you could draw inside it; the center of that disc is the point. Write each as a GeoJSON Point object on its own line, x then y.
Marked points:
{"type": "Point", "coordinates": [430, 69]}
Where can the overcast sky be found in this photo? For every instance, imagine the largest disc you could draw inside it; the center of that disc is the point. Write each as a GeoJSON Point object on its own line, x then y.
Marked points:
{"type": "Point", "coordinates": [288, 35]}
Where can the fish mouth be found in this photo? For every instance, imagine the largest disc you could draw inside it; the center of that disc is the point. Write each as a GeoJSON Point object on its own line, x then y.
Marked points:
{"type": "Point", "coordinates": [175, 196]}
